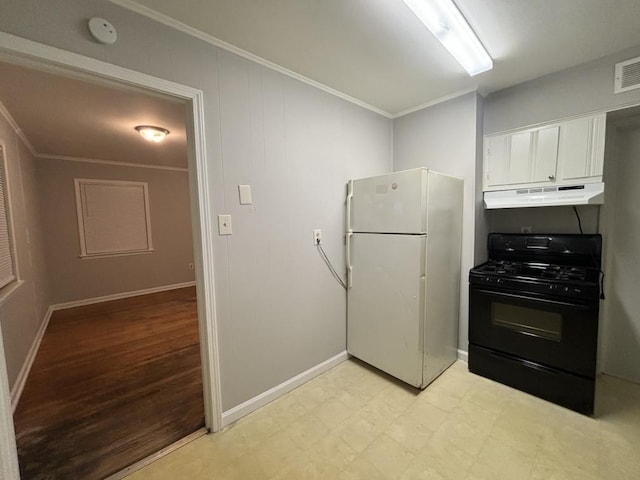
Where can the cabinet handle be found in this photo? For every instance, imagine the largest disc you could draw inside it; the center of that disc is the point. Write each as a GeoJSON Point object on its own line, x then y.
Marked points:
{"type": "Point", "coordinates": [552, 177]}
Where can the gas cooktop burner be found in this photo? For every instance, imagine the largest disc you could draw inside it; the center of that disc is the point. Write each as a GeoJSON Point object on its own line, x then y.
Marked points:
{"type": "Point", "coordinates": [550, 265]}
{"type": "Point", "coordinates": [536, 270]}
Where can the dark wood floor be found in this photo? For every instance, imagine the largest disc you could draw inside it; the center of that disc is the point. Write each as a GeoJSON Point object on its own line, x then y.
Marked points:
{"type": "Point", "coordinates": [112, 383]}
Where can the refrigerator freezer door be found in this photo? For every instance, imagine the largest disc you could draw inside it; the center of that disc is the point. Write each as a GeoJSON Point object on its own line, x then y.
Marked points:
{"type": "Point", "coordinates": [393, 203]}
{"type": "Point", "coordinates": [385, 323]}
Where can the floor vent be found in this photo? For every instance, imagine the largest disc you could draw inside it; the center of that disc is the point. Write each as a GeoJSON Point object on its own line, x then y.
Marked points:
{"type": "Point", "coordinates": [627, 75]}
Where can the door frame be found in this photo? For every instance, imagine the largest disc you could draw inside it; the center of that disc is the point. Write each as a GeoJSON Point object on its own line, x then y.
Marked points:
{"type": "Point", "coordinates": [19, 50]}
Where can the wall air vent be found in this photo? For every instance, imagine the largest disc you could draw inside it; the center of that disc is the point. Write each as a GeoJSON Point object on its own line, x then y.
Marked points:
{"type": "Point", "coordinates": [627, 75]}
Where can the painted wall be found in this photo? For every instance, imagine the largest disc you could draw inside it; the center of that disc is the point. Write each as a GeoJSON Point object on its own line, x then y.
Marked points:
{"type": "Point", "coordinates": [74, 278]}
{"type": "Point", "coordinates": [23, 310]}
{"type": "Point", "coordinates": [297, 147]}
{"type": "Point", "coordinates": [620, 343]}
{"type": "Point", "coordinates": [574, 91]}
{"type": "Point", "coordinates": [444, 138]}
{"type": "Point", "coordinates": [545, 219]}
{"type": "Point", "coordinates": [482, 226]}
{"type": "Point", "coordinates": [279, 311]}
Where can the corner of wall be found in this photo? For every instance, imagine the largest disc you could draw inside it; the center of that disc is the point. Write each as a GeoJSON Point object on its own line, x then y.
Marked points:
{"type": "Point", "coordinates": [27, 308]}
{"type": "Point", "coordinates": [482, 217]}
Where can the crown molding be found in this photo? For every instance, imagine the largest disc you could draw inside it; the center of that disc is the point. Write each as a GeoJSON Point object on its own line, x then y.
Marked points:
{"type": "Point", "coordinates": [431, 103]}
{"type": "Point", "coordinates": [69, 158]}
{"type": "Point", "coordinates": [16, 128]}
{"type": "Point", "coordinates": [216, 42]}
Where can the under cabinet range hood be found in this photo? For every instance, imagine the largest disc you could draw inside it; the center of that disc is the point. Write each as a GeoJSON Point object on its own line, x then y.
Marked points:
{"type": "Point", "coordinates": [564, 195]}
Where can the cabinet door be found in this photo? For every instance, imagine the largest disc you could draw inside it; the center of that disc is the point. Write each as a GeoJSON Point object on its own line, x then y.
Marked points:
{"type": "Point", "coordinates": [495, 161]}
{"type": "Point", "coordinates": [508, 159]}
{"type": "Point", "coordinates": [519, 170]}
{"type": "Point", "coordinates": [581, 150]}
{"type": "Point", "coordinates": [545, 155]}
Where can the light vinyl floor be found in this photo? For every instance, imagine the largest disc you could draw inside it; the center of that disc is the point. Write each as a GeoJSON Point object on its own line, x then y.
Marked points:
{"type": "Point", "coordinates": [355, 423]}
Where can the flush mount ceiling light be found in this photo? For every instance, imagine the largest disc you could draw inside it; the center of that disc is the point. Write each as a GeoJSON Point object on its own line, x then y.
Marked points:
{"type": "Point", "coordinates": [448, 25]}
{"type": "Point", "coordinates": [151, 133]}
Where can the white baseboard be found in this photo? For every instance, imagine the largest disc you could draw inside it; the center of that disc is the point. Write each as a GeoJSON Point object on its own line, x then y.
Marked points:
{"type": "Point", "coordinates": [118, 296]}
{"type": "Point", "coordinates": [463, 355]}
{"type": "Point", "coordinates": [272, 394]}
{"type": "Point", "coordinates": [18, 386]}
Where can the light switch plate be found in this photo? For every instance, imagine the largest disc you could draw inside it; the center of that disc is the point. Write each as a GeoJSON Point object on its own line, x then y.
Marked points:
{"type": "Point", "coordinates": [245, 194]}
{"type": "Point", "coordinates": [224, 224]}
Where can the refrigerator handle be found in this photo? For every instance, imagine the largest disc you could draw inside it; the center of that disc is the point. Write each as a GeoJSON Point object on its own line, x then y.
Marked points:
{"type": "Point", "coordinates": [349, 267]}
{"type": "Point", "coordinates": [349, 198]}
{"type": "Point", "coordinates": [349, 232]}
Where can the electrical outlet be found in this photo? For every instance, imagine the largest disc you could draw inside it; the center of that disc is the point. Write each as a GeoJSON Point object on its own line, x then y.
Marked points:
{"type": "Point", "coordinates": [191, 266]}
{"type": "Point", "coordinates": [317, 236]}
{"type": "Point", "coordinates": [224, 225]}
{"type": "Point", "coordinates": [527, 229]}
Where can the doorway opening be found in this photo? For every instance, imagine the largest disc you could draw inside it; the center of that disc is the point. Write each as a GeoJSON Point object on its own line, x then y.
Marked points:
{"type": "Point", "coordinates": [194, 173]}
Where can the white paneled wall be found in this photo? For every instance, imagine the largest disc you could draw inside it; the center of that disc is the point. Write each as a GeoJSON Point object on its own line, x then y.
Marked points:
{"type": "Point", "coordinates": [297, 147]}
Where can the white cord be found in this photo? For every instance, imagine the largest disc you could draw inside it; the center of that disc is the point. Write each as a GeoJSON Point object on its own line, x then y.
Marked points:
{"type": "Point", "coordinates": [327, 262]}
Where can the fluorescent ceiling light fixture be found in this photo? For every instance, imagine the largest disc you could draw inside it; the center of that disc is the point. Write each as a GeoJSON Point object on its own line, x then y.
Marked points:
{"type": "Point", "coordinates": [446, 22]}
{"type": "Point", "coordinates": [151, 133]}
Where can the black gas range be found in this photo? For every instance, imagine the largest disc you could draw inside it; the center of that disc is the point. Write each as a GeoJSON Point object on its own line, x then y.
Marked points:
{"type": "Point", "coordinates": [563, 281]}
{"type": "Point", "coordinates": [533, 315]}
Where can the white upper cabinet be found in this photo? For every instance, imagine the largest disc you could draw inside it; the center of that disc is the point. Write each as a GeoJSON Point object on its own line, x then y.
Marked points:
{"type": "Point", "coordinates": [557, 154]}
{"type": "Point", "coordinates": [581, 152]}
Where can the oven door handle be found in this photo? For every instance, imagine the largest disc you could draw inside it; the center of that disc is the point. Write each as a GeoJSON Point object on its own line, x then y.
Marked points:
{"type": "Point", "coordinates": [547, 301]}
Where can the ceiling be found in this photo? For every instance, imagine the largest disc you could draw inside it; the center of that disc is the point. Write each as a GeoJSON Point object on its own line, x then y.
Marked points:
{"type": "Point", "coordinates": [375, 51]}
{"type": "Point", "coordinates": [378, 52]}
{"type": "Point", "coordinates": [62, 116]}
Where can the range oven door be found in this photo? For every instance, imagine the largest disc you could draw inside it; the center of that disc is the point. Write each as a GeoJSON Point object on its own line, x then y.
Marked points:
{"type": "Point", "coordinates": [555, 333]}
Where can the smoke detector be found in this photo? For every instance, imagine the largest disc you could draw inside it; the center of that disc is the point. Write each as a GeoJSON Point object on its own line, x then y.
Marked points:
{"type": "Point", "coordinates": [103, 31]}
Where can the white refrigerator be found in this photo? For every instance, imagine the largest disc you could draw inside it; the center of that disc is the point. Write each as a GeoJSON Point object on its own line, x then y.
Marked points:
{"type": "Point", "coordinates": [404, 235]}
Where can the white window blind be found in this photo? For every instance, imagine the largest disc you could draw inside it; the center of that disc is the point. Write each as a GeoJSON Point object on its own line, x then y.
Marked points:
{"type": "Point", "coordinates": [113, 217]}
{"type": "Point", "coordinates": [7, 265]}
